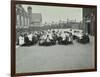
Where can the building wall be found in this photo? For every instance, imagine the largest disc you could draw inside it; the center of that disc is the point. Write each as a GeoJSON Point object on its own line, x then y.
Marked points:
{"type": "Point", "coordinates": [36, 20]}
{"type": "Point", "coordinates": [27, 19]}
{"type": "Point", "coordinates": [22, 19]}
{"type": "Point", "coordinates": [89, 16]}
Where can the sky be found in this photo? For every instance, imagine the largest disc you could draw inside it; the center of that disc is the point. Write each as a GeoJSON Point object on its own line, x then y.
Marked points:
{"type": "Point", "coordinates": [55, 13]}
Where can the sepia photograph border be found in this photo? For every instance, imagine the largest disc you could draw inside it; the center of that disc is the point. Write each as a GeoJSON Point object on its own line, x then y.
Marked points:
{"type": "Point", "coordinates": [13, 38]}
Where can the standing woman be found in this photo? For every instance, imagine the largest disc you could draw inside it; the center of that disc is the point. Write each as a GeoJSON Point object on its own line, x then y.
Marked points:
{"type": "Point", "coordinates": [21, 40]}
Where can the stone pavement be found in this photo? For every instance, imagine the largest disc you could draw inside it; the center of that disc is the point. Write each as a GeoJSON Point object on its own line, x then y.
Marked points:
{"type": "Point", "coordinates": [58, 57]}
